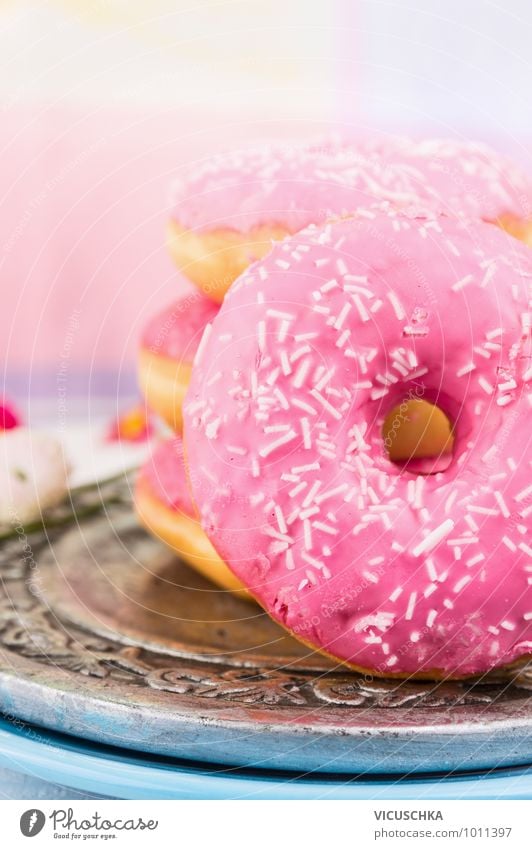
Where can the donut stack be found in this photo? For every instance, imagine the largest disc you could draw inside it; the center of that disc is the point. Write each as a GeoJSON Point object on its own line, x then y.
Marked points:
{"type": "Point", "coordinates": [357, 284]}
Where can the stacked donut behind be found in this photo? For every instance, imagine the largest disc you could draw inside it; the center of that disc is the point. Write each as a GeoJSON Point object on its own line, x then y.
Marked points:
{"type": "Point", "coordinates": [227, 215]}
{"type": "Point", "coordinates": [229, 210]}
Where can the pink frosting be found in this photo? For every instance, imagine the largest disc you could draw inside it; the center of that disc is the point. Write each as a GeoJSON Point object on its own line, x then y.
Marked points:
{"type": "Point", "coordinates": [457, 176]}
{"type": "Point", "coordinates": [164, 475]}
{"type": "Point", "coordinates": [297, 185]}
{"type": "Point", "coordinates": [390, 570]}
{"type": "Point", "coordinates": [175, 331]}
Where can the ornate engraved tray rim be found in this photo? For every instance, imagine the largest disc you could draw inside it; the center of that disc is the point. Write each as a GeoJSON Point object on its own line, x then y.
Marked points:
{"type": "Point", "coordinates": [285, 712]}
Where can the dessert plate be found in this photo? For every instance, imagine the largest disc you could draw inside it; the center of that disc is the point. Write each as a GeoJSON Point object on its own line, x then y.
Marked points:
{"type": "Point", "coordinates": [96, 769]}
{"type": "Point", "coordinates": [106, 636]}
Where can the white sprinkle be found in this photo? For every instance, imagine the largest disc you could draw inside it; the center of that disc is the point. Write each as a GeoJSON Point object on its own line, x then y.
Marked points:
{"type": "Point", "coordinates": [485, 385]}
{"type": "Point", "coordinates": [502, 504]}
{"type": "Point", "coordinates": [327, 529]}
{"type": "Point", "coordinates": [303, 337]}
{"type": "Point", "coordinates": [342, 339]}
{"type": "Point", "coordinates": [272, 377]}
{"type": "Point", "coordinates": [411, 606]}
{"type": "Point", "coordinates": [418, 372]}
{"type": "Point", "coordinates": [331, 492]}
{"type": "Point", "coordinates": [361, 309]}
{"type": "Point", "coordinates": [204, 339]}
{"type": "Point", "coordinates": [280, 519]}
{"type": "Point", "coordinates": [267, 449]}
{"type": "Point", "coordinates": [312, 562]}
{"type": "Point", "coordinates": [285, 363]}
{"type": "Point", "coordinates": [301, 374]}
{"type": "Point", "coordinates": [508, 626]}
{"type": "Point", "coordinates": [452, 247]}
{"type": "Point", "coordinates": [521, 496]}
{"type": "Point", "coordinates": [461, 283]}
{"type": "Point", "coordinates": [431, 616]}
{"type": "Point", "coordinates": [450, 500]}
{"type": "Point", "coordinates": [484, 511]}
{"type": "Point", "coordinates": [478, 558]}
{"type": "Point", "coordinates": [508, 543]}
{"type": "Point", "coordinates": [324, 379]}
{"type": "Point", "coordinates": [470, 522]}
{"type": "Point", "coordinates": [465, 369]}
{"type": "Point", "coordinates": [211, 429]}
{"type": "Point", "coordinates": [492, 334]}
{"type": "Point", "coordinates": [490, 272]}
{"type": "Point", "coordinates": [396, 593]}
{"type": "Point", "coordinates": [341, 266]}
{"type": "Point", "coordinates": [281, 397]}
{"type": "Point", "coordinates": [370, 576]}
{"type": "Point", "coordinates": [397, 306]}
{"type": "Point", "coordinates": [214, 379]}
{"type": "Point", "coordinates": [342, 315]}
{"type": "Point", "coordinates": [310, 511]}
{"type": "Point", "coordinates": [236, 449]}
{"type": "Point", "coordinates": [297, 489]}
{"type": "Point", "coordinates": [431, 569]}
{"type": "Point", "coordinates": [290, 559]}
{"type": "Point", "coordinates": [304, 349]}
{"type": "Point", "coordinates": [433, 538]}
{"type": "Point", "coordinates": [261, 330]}
{"type": "Point", "coordinates": [282, 263]}
{"type": "Point", "coordinates": [507, 385]}
{"type": "Point", "coordinates": [302, 405]}
{"type": "Point", "coordinates": [308, 467]}
{"type": "Point", "coordinates": [462, 583]}
{"type": "Point", "coordinates": [375, 561]}
{"type": "Point", "coordinates": [311, 493]}
{"type": "Point", "coordinates": [307, 534]}
{"type": "Point", "coordinates": [287, 316]}
{"type": "Point", "coordinates": [329, 407]}
{"type": "Point", "coordinates": [283, 330]}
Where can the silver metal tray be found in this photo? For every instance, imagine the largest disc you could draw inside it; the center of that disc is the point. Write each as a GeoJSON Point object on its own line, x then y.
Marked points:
{"type": "Point", "coordinates": [105, 635]}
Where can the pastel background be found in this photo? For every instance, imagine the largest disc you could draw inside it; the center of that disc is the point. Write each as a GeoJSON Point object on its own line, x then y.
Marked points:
{"type": "Point", "coordinates": [102, 103]}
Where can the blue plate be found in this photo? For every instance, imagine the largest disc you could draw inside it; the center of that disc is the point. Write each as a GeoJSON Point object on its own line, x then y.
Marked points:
{"type": "Point", "coordinates": [113, 772]}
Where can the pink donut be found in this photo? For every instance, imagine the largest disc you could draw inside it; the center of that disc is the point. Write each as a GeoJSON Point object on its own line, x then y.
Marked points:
{"type": "Point", "coordinates": [164, 507]}
{"type": "Point", "coordinates": [394, 572]}
{"type": "Point", "coordinates": [227, 212]}
{"type": "Point", "coordinates": [167, 349]}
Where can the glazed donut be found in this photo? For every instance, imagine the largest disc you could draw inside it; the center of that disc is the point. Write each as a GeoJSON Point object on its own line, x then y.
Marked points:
{"type": "Point", "coordinates": [395, 572]}
{"type": "Point", "coordinates": [227, 213]}
{"type": "Point", "coordinates": [167, 350]}
{"type": "Point", "coordinates": [164, 507]}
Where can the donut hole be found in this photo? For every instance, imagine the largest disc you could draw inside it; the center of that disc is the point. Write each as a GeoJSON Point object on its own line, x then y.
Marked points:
{"type": "Point", "coordinates": [418, 436]}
